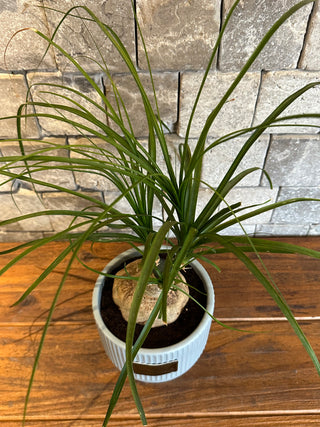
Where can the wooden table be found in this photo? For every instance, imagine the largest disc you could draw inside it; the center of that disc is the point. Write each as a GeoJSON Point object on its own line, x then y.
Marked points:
{"type": "Point", "coordinates": [262, 377]}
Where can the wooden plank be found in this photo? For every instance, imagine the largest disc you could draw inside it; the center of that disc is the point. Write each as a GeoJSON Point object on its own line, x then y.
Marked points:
{"type": "Point", "coordinates": [167, 421]}
{"type": "Point", "coordinates": [238, 295]}
{"type": "Point", "coordinates": [75, 301]}
{"type": "Point", "coordinates": [242, 372]}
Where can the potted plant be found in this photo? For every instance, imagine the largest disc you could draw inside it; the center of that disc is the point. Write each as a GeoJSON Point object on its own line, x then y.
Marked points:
{"type": "Point", "coordinates": [171, 348]}
{"type": "Point", "coordinates": [164, 245]}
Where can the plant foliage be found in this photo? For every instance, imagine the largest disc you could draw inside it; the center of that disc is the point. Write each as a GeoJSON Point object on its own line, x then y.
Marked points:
{"type": "Point", "coordinates": [132, 168]}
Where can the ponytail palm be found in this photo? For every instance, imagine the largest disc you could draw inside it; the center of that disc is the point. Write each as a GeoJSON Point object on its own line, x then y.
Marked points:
{"type": "Point", "coordinates": [131, 166]}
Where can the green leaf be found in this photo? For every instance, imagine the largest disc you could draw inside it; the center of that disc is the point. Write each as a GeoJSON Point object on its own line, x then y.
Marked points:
{"type": "Point", "coordinates": [144, 278]}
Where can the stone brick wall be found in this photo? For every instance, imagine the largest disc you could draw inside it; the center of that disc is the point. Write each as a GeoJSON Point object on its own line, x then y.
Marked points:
{"type": "Point", "coordinates": [179, 35]}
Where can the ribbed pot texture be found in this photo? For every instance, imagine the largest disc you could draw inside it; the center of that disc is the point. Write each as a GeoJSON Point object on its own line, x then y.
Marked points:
{"type": "Point", "coordinates": [166, 363]}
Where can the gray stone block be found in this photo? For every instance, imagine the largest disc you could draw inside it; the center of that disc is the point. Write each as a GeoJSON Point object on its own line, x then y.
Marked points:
{"type": "Point", "coordinates": [300, 212]}
{"type": "Point", "coordinates": [204, 196]}
{"type": "Point", "coordinates": [56, 176]}
{"type": "Point", "coordinates": [119, 202]}
{"type": "Point", "coordinates": [314, 230]}
{"type": "Point", "coordinates": [7, 184]}
{"type": "Point", "coordinates": [294, 161]}
{"type": "Point", "coordinates": [218, 160]}
{"type": "Point", "coordinates": [281, 230]}
{"type": "Point", "coordinates": [166, 86]}
{"type": "Point", "coordinates": [85, 41]}
{"type": "Point", "coordinates": [252, 196]}
{"type": "Point", "coordinates": [179, 35]}
{"type": "Point", "coordinates": [22, 203]}
{"type": "Point", "coordinates": [93, 181]}
{"type": "Point", "coordinates": [51, 126]}
{"type": "Point", "coordinates": [237, 230]}
{"type": "Point", "coordinates": [250, 22]}
{"type": "Point", "coordinates": [13, 92]}
{"type": "Point", "coordinates": [310, 57]}
{"type": "Point", "coordinates": [236, 114]}
{"type": "Point", "coordinates": [23, 236]}
{"type": "Point", "coordinates": [277, 86]}
{"type": "Point", "coordinates": [172, 141]}
{"type": "Point", "coordinates": [100, 150]}
{"type": "Point", "coordinates": [68, 202]}
{"type": "Point", "coordinates": [25, 50]}
{"type": "Point", "coordinates": [248, 196]}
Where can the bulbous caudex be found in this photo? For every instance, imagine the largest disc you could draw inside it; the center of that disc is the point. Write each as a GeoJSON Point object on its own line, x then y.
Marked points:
{"type": "Point", "coordinates": [123, 290]}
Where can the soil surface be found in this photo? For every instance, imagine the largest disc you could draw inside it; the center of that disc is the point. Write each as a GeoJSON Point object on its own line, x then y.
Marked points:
{"type": "Point", "coordinates": [162, 336]}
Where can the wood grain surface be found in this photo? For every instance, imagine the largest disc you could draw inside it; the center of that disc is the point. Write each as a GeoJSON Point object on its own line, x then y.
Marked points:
{"type": "Point", "coordinates": [256, 376]}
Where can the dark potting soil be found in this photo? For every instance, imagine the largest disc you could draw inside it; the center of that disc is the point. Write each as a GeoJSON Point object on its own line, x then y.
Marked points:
{"type": "Point", "coordinates": [162, 336]}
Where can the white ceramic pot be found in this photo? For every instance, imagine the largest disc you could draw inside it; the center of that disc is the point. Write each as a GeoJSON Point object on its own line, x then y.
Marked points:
{"type": "Point", "coordinates": [162, 364]}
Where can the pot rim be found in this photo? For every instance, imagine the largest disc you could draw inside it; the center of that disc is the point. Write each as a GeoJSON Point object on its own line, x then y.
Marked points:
{"type": "Point", "coordinates": [200, 270]}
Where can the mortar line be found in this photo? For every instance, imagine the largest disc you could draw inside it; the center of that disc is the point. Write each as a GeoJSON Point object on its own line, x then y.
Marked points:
{"type": "Point", "coordinates": [262, 72]}
{"type": "Point", "coordinates": [265, 158]}
{"type": "Point", "coordinates": [136, 33]}
{"type": "Point", "coordinates": [49, 33]}
{"type": "Point", "coordinates": [220, 26]}
{"type": "Point", "coordinates": [176, 124]}
{"type": "Point", "coordinates": [306, 37]}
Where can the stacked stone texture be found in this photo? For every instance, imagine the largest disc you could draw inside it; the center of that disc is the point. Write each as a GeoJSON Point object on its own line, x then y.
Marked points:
{"type": "Point", "coordinates": [179, 35]}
